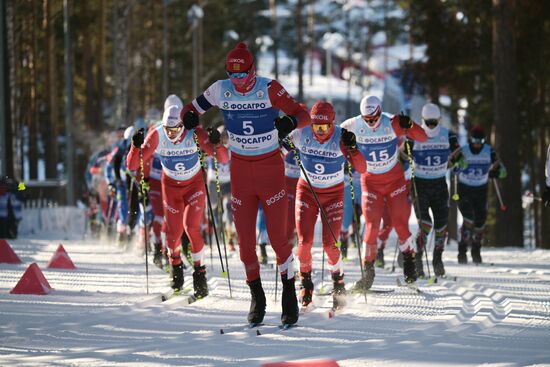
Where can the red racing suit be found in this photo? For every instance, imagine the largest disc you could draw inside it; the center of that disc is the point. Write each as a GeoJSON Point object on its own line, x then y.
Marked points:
{"type": "Point", "coordinates": [384, 182]}
{"type": "Point", "coordinates": [183, 188]}
{"type": "Point", "coordinates": [325, 165]}
{"type": "Point", "coordinates": [257, 169]}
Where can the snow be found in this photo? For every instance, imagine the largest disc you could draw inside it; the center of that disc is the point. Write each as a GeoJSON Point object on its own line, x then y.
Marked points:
{"type": "Point", "coordinates": [496, 314]}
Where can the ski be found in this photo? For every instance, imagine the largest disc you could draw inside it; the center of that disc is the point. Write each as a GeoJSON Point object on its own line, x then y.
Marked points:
{"type": "Point", "coordinates": [412, 286]}
{"type": "Point", "coordinates": [167, 296]}
{"type": "Point", "coordinates": [256, 329]}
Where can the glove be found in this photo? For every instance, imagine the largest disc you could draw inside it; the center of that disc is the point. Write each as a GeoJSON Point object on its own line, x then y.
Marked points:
{"type": "Point", "coordinates": [348, 139]}
{"type": "Point", "coordinates": [493, 173]}
{"type": "Point", "coordinates": [498, 172]}
{"type": "Point", "coordinates": [112, 189]}
{"type": "Point", "coordinates": [285, 124]}
{"type": "Point", "coordinates": [546, 196]}
{"type": "Point", "coordinates": [190, 120]}
{"type": "Point", "coordinates": [138, 138]}
{"type": "Point", "coordinates": [459, 162]}
{"type": "Point", "coordinates": [214, 135]}
{"type": "Point", "coordinates": [405, 121]}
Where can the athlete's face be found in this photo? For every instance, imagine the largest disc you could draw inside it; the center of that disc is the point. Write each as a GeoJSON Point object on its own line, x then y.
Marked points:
{"type": "Point", "coordinates": [173, 132]}
{"type": "Point", "coordinates": [372, 121]}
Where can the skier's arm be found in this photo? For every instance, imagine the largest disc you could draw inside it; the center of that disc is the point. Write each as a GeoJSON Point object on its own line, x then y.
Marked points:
{"type": "Point", "coordinates": [456, 158]}
{"type": "Point", "coordinates": [355, 157]}
{"type": "Point", "coordinates": [117, 163]}
{"type": "Point", "coordinates": [204, 102]}
{"type": "Point", "coordinates": [221, 152]}
{"type": "Point", "coordinates": [281, 100]}
{"type": "Point", "coordinates": [415, 132]}
{"type": "Point", "coordinates": [497, 169]}
{"type": "Point", "coordinates": [148, 148]}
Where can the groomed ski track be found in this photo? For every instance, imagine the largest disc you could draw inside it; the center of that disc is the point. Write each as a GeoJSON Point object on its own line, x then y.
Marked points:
{"type": "Point", "coordinates": [100, 314]}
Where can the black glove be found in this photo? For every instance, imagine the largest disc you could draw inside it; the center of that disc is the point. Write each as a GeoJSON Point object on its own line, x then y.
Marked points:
{"type": "Point", "coordinates": [138, 138]}
{"type": "Point", "coordinates": [348, 139]}
{"type": "Point", "coordinates": [112, 189]}
{"type": "Point", "coordinates": [405, 121]}
{"type": "Point", "coordinates": [494, 172]}
{"type": "Point", "coordinates": [546, 196]}
{"type": "Point", "coordinates": [214, 135]}
{"type": "Point", "coordinates": [285, 124]}
{"type": "Point", "coordinates": [190, 120]}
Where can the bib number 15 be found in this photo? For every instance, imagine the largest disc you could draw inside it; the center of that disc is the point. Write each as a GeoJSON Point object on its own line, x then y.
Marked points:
{"type": "Point", "coordinates": [379, 155]}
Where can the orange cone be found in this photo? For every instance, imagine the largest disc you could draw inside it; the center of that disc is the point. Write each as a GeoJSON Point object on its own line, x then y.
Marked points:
{"type": "Point", "coordinates": [33, 281]}
{"type": "Point", "coordinates": [310, 363]}
{"type": "Point", "coordinates": [61, 260]}
{"type": "Point", "coordinates": [7, 255]}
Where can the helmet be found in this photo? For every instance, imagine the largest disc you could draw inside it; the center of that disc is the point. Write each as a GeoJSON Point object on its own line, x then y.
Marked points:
{"type": "Point", "coordinates": [370, 106]}
{"type": "Point", "coordinates": [240, 68]}
{"type": "Point", "coordinates": [171, 116]}
{"type": "Point", "coordinates": [430, 111]}
{"type": "Point", "coordinates": [322, 113]}
{"type": "Point", "coordinates": [129, 132]}
{"type": "Point", "coordinates": [171, 100]}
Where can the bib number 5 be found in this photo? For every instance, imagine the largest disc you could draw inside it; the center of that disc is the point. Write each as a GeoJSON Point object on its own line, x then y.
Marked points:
{"type": "Point", "coordinates": [248, 129]}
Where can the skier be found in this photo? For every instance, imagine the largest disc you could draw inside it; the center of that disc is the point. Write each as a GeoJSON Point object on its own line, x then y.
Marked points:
{"type": "Point", "coordinates": [377, 138]}
{"type": "Point", "coordinates": [323, 149]}
{"type": "Point", "coordinates": [546, 193]}
{"type": "Point", "coordinates": [483, 163]}
{"type": "Point", "coordinates": [431, 160]}
{"type": "Point", "coordinates": [183, 188]}
{"type": "Point", "coordinates": [250, 105]}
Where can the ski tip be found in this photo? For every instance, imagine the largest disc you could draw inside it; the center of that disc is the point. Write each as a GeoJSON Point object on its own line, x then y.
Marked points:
{"type": "Point", "coordinates": [258, 332]}
{"type": "Point", "coordinates": [163, 298]}
{"type": "Point", "coordinates": [222, 332]}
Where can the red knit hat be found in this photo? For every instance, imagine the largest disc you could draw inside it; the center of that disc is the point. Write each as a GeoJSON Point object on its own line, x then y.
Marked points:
{"type": "Point", "coordinates": [239, 59]}
{"type": "Point", "coordinates": [322, 113]}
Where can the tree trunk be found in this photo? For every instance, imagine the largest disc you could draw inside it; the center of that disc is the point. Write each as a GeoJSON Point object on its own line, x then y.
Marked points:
{"type": "Point", "coordinates": [509, 224]}
{"type": "Point", "coordinates": [300, 49]}
{"type": "Point", "coordinates": [51, 132]}
{"type": "Point", "coordinates": [6, 12]}
{"type": "Point", "coordinates": [100, 58]}
{"type": "Point", "coordinates": [33, 98]}
{"type": "Point", "coordinates": [120, 69]}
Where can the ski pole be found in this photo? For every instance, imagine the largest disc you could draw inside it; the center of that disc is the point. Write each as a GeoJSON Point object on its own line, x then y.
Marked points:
{"type": "Point", "coordinates": [220, 212]}
{"type": "Point", "coordinates": [417, 204]}
{"type": "Point", "coordinates": [144, 202]}
{"type": "Point", "coordinates": [276, 280]}
{"type": "Point", "coordinates": [497, 190]}
{"type": "Point", "coordinates": [321, 209]}
{"type": "Point", "coordinates": [210, 211]}
{"type": "Point", "coordinates": [395, 254]}
{"type": "Point", "coordinates": [455, 196]}
{"type": "Point", "coordinates": [356, 233]}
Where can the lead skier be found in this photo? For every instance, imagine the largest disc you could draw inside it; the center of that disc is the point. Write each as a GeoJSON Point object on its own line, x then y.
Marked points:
{"type": "Point", "coordinates": [378, 140]}
{"type": "Point", "coordinates": [250, 105]}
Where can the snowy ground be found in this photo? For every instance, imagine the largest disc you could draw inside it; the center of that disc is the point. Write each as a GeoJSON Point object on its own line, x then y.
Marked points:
{"type": "Point", "coordinates": [497, 314]}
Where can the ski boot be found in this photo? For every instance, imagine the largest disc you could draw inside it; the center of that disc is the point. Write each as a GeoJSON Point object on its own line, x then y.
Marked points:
{"type": "Point", "coordinates": [338, 291]}
{"type": "Point", "coordinates": [476, 246]}
{"type": "Point", "coordinates": [199, 282]}
{"type": "Point", "coordinates": [379, 262]}
{"type": "Point", "coordinates": [263, 253]}
{"type": "Point", "coordinates": [306, 294]}
{"type": "Point", "coordinates": [439, 269]}
{"type": "Point", "coordinates": [409, 266]}
{"type": "Point", "coordinates": [368, 277]}
{"type": "Point", "coordinates": [418, 264]}
{"type": "Point", "coordinates": [176, 273]}
{"type": "Point", "coordinates": [257, 303]}
{"type": "Point", "coordinates": [157, 257]}
{"type": "Point", "coordinates": [462, 250]}
{"type": "Point", "coordinates": [289, 302]}
{"type": "Point", "coordinates": [344, 247]}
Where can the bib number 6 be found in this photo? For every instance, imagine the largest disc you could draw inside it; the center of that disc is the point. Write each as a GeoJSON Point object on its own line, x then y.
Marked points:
{"type": "Point", "coordinates": [179, 166]}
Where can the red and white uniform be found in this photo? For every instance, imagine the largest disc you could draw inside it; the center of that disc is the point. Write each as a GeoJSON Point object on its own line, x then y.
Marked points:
{"type": "Point", "coordinates": [257, 169]}
{"type": "Point", "coordinates": [384, 182]}
{"type": "Point", "coordinates": [183, 189]}
{"type": "Point", "coordinates": [324, 162]}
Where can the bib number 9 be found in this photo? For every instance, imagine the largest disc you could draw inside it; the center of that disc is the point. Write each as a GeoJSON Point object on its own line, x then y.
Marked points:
{"type": "Point", "coordinates": [319, 169]}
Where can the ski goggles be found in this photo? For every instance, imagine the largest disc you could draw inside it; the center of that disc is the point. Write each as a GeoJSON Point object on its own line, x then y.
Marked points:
{"type": "Point", "coordinates": [173, 130]}
{"type": "Point", "coordinates": [320, 128]}
{"type": "Point", "coordinates": [370, 119]}
{"type": "Point", "coordinates": [237, 75]}
{"type": "Point", "coordinates": [479, 141]}
{"type": "Point", "coordinates": [431, 122]}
